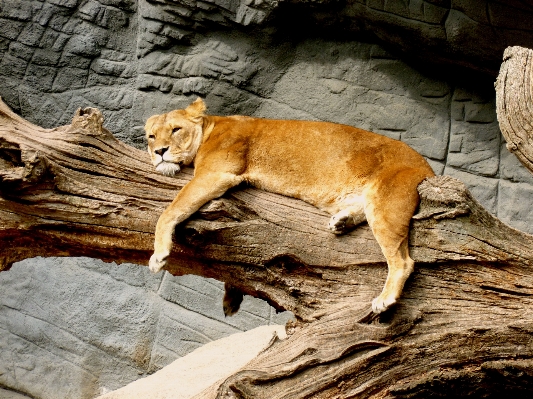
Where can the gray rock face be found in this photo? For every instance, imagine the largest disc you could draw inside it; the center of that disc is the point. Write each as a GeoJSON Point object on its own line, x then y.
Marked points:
{"type": "Point", "coordinates": [76, 327]}
{"type": "Point", "coordinates": [73, 328]}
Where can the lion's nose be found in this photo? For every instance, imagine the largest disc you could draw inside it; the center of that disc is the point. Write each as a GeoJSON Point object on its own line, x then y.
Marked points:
{"type": "Point", "coordinates": [161, 151]}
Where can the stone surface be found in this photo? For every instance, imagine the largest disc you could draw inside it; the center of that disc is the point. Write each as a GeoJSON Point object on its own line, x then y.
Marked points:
{"type": "Point", "coordinates": [196, 372]}
{"type": "Point", "coordinates": [76, 327]}
{"type": "Point", "coordinates": [8, 394]}
{"type": "Point", "coordinates": [72, 328]}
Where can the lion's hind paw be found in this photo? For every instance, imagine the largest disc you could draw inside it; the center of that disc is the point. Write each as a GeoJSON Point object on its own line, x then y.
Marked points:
{"type": "Point", "coordinates": [157, 263]}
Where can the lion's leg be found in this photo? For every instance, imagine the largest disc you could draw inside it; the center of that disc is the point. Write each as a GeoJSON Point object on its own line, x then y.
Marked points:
{"type": "Point", "coordinates": [347, 219]}
{"type": "Point", "coordinates": [389, 210]}
{"type": "Point", "coordinates": [201, 189]}
{"type": "Point", "coordinates": [400, 267]}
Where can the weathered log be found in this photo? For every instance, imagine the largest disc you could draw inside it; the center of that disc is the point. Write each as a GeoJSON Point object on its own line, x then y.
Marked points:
{"type": "Point", "coordinates": [464, 321]}
{"type": "Point", "coordinates": [514, 99]}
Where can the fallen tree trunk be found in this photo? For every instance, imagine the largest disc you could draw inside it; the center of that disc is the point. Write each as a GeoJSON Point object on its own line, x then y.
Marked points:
{"type": "Point", "coordinates": [464, 325]}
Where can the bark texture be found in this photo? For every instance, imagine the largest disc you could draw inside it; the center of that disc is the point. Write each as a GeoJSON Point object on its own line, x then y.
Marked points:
{"type": "Point", "coordinates": [514, 96]}
{"type": "Point", "coordinates": [464, 325]}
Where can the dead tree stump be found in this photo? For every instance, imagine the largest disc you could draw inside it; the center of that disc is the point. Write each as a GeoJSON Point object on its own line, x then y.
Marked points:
{"type": "Point", "coordinates": [514, 102]}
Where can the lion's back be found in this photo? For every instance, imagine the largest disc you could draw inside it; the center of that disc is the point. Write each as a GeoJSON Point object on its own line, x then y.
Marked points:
{"type": "Point", "coordinates": [313, 161]}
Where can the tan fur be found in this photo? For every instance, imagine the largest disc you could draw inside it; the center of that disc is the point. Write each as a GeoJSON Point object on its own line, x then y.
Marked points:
{"type": "Point", "coordinates": [353, 174]}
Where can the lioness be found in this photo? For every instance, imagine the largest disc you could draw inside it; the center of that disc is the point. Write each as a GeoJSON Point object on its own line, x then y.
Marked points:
{"type": "Point", "coordinates": [350, 173]}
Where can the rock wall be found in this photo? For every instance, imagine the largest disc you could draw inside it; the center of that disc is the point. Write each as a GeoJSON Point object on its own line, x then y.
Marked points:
{"type": "Point", "coordinates": [419, 71]}
{"type": "Point", "coordinates": [77, 327]}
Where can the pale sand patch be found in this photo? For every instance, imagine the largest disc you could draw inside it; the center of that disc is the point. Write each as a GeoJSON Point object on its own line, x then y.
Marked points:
{"type": "Point", "coordinates": [202, 368]}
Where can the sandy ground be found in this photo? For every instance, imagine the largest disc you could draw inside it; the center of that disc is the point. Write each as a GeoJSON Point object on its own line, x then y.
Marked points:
{"type": "Point", "coordinates": [201, 371]}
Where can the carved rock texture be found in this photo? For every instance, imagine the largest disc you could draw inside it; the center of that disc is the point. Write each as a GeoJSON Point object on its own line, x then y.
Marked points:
{"type": "Point", "coordinates": [337, 61]}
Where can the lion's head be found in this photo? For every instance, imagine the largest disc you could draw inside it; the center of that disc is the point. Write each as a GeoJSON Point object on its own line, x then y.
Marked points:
{"type": "Point", "coordinates": [174, 138]}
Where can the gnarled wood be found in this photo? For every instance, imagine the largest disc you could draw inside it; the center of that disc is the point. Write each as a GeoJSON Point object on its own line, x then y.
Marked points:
{"type": "Point", "coordinates": [464, 321]}
{"type": "Point", "coordinates": [514, 102]}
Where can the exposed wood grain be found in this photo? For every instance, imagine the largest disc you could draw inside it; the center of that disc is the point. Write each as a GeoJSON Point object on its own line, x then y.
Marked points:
{"type": "Point", "coordinates": [514, 102]}
{"type": "Point", "coordinates": [463, 325]}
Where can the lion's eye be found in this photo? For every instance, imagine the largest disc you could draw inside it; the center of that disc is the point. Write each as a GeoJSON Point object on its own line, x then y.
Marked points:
{"type": "Point", "coordinates": [151, 137]}
{"type": "Point", "coordinates": [176, 130]}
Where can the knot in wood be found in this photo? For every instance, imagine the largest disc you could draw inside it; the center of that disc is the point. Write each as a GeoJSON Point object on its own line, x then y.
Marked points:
{"type": "Point", "coordinates": [442, 197]}
{"type": "Point", "coordinates": [34, 166]}
{"type": "Point", "coordinates": [90, 120]}
{"type": "Point", "coordinates": [512, 147]}
{"type": "Point", "coordinates": [20, 166]}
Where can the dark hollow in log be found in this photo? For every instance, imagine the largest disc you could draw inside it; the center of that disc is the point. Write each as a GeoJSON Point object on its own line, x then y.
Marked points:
{"type": "Point", "coordinates": [464, 325]}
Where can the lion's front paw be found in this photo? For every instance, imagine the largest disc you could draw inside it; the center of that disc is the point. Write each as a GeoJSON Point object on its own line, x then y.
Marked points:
{"type": "Point", "coordinates": [381, 304]}
{"type": "Point", "coordinates": [157, 263]}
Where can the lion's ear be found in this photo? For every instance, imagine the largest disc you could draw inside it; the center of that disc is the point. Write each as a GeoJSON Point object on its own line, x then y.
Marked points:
{"type": "Point", "coordinates": [196, 109]}
{"type": "Point", "coordinates": [150, 121]}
